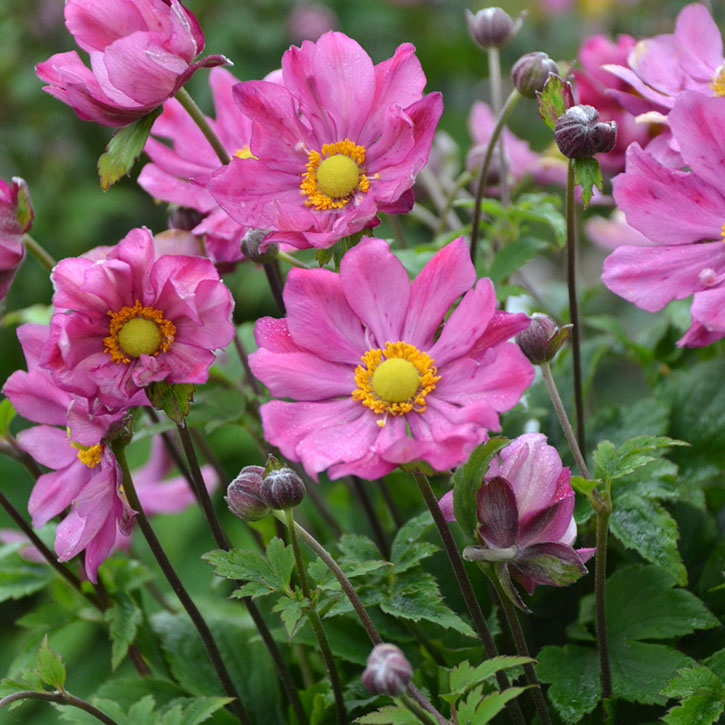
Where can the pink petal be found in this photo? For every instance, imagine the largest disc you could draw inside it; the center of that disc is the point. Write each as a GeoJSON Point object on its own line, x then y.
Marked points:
{"type": "Point", "coordinates": [53, 492]}
{"type": "Point", "coordinates": [497, 513]}
{"type": "Point", "coordinates": [48, 446]}
{"type": "Point", "coordinates": [699, 43]}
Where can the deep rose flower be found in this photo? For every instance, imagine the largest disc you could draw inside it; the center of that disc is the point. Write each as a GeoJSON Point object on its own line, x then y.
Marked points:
{"type": "Point", "coordinates": [526, 506]}
{"type": "Point", "coordinates": [338, 142]}
{"type": "Point", "coordinates": [141, 53]}
{"type": "Point", "coordinates": [372, 384]}
{"type": "Point", "coordinates": [679, 211]}
{"type": "Point", "coordinates": [130, 319]}
{"type": "Point", "coordinates": [16, 218]}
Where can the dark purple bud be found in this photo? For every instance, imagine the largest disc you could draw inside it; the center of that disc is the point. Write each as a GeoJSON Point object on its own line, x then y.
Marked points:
{"type": "Point", "coordinates": [282, 489]}
{"type": "Point", "coordinates": [491, 27]}
{"type": "Point", "coordinates": [531, 71]}
{"type": "Point", "coordinates": [387, 671]}
{"type": "Point", "coordinates": [183, 217]}
{"type": "Point", "coordinates": [579, 133]}
{"type": "Point", "coordinates": [542, 339]}
{"type": "Point", "coordinates": [251, 243]}
{"type": "Point", "coordinates": [244, 497]}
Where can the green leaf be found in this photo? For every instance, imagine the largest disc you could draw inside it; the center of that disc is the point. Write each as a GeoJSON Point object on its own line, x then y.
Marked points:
{"type": "Point", "coordinates": [123, 149]}
{"type": "Point", "coordinates": [554, 100]}
{"type": "Point", "coordinates": [124, 617]}
{"type": "Point", "coordinates": [464, 676]}
{"type": "Point", "coordinates": [490, 706]}
{"type": "Point", "coordinates": [50, 666]}
{"type": "Point", "coordinates": [174, 400]}
{"type": "Point", "coordinates": [281, 559]}
{"type": "Point", "coordinates": [467, 479]}
{"type": "Point", "coordinates": [647, 527]}
{"type": "Point", "coordinates": [389, 715]}
{"type": "Point", "coordinates": [587, 174]}
{"type": "Point", "coordinates": [199, 709]}
{"type": "Point", "coordinates": [700, 709]}
{"type": "Point", "coordinates": [407, 549]}
{"type": "Point", "coordinates": [583, 485]}
{"type": "Point", "coordinates": [121, 574]}
{"type": "Point", "coordinates": [215, 406]}
{"type": "Point", "coordinates": [513, 256]}
{"type": "Point", "coordinates": [611, 464]}
{"type": "Point", "coordinates": [291, 614]}
{"type": "Point", "coordinates": [20, 578]}
{"type": "Point", "coordinates": [7, 413]}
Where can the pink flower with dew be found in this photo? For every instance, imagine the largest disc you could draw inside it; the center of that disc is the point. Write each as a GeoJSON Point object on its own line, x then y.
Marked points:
{"type": "Point", "coordinates": [593, 84]}
{"type": "Point", "coordinates": [130, 319]}
{"type": "Point", "coordinates": [526, 505]}
{"type": "Point", "coordinates": [659, 69]}
{"type": "Point", "coordinates": [141, 53]}
{"type": "Point", "coordinates": [16, 218]}
{"type": "Point", "coordinates": [179, 173]}
{"type": "Point", "coordinates": [683, 214]}
{"type": "Point", "coordinates": [341, 140]}
{"type": "Point", "coordinates": [84, 473]}
{"type": "Point", "coordinates": [370, 383]}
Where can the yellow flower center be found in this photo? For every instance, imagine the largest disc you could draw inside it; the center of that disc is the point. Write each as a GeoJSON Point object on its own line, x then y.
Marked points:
{"type": "Point", "coordinates": [718, 82]}
{"type": "Point", "coordinates": [333, 176]}
{"type": "Point", "coordinates": [88, 455]}
{"type": "Point", "coordinates": [245, 152]}
{"type": "Point", "coordinates": [395, 380]}
{"type": "Point", "coordinates": [137, 331]}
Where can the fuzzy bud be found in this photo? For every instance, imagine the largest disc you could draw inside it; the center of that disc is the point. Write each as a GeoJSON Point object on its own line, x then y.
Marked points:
{"type": "Point", "coordinates": [388, 672]}
{"type": "Point", "coordinates": [542, 339]}
{"type": "Point", "coordinates": [253, 241]}
{"type": "Point", "coordinates": [491, 27]}
{"type": "Point", "coordinates": [282, 489]}
{"type": "Point", "coordinates": [183, 217]}
{"type": "Point", "coordinates": [243, 494]}
{"type": "Point", "coordinates": [531, 71]}
{"type": "Point", "coordinates": [579, 133]}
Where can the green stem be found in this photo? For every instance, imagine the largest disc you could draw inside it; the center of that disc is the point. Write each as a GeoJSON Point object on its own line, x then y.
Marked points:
{"type": "Point", "coordinates": [291, 260]}
{"type": "Point", "coordinates": [517, 633]}
{"type": "Point", "coordinates": [60, 697]}
{"type": "Point", "coordinates": [381, 539]}
{"type": "Point", "coordinates": [274, 278]}
{"type": "Point", "coordinates": [494, 70]}
{"type": "Point", "coordinates": [188, 104]}
{"type": "Point", "coordinates": [459, 183]}
{"type": "Point", "coordinates": [316, 622]}
{"type": "Point", "coordinates": [416, 709]}
{"type": "Point", "coordinates": [603, 513]}
{"type": "Point", "coordinates": [38, 252]}
{"type": "Point", "coordinates": [244, 357]}
{"type": "Point", "coordinates": [571, 245]}
{"type": "Point", "coordinates": [511, 101]}
{"type": "Point", "coordinates": [173, 579]}
{"type": "Point", "coordinates": [464, 583]}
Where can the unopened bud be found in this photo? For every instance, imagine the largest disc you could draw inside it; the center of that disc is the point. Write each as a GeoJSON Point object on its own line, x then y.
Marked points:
{"type": "Point", "coordinates": [282, 489]}
{"type": "Point", "coordinates": [243, 494]}
{"type": "Point", "coordinates": [491, 27]}
{"type": "Point", "coordinates": [388, 672]}
{"type": "Point", "coordinates": [531, 71]}
{"type": "Point", "coordinates": [251, 243]}
{"type": "Point", "coordinates": [579, 133]}
{"type": "Point", "coordinates": [542, 339]}
{"type": "Point", "coordinates": [184, 217]}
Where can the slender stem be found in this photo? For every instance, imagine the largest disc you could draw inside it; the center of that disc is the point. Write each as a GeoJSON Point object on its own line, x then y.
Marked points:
{"type": "Point", "coordinates": [291, 260]}
{"type": "Point", "coordinates": [564, 420]}
{"type": "Point", "coordinates": [522, 649]}
{"type": "Point", "coordinates": [494, 70]}
{"type": "Point", "coordinates": [62, 698]}
{"type": "Point", "coordinates": [398, 230]}
{"type": "Point", "coordinates": [511, 101]}
{"type": "Point", "coordinates": [188, 104]}
{"type": "Point", "coordinates": [171, 576]}
{"type": "Point", "coordinates": [378, 532]}
{"type": "Point", "coordinates": [244, 357]}
{"type": "Point", "coordinates": [38, 252]}
{"type": "Point", "coordinates": [315, 621]}
{"type": "Point", "coordinates": [387, 497]}
{"type": "Point", "coordinates": [274, 277]}
{"type": "Point", "coordinates": [600, 580]}
{"type": "Point", "coordinates": [571, 245]}
{"type": "Point", "coordinates": [416, 709]}
{"type": "Point", "coordinates": [459, 183]}
{"type": "Point", "coordinates": [464, 583]}
{"type": "Point", "coordinates": [13, 450]}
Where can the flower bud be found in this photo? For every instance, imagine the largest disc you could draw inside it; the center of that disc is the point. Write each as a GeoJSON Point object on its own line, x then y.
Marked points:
{"type": "Point", "coordinates": [251, 243]}
{"type": "Point", "coordinates": [490, 27]}
{"type": "Point", "coordinates": [184, 217]}
{"type": "Point", "coordinates": [282, 489]}
{"type": "Point", "coordinates": [243, 494]}
{"type": "Point", "coordinates": [579, 133]}
{"type": "Point", "coordinates": [542, 339]}
{"type": "Point", "coordinates": [531, 71]}
{"type": "Point", "coordinates": [387, 671]}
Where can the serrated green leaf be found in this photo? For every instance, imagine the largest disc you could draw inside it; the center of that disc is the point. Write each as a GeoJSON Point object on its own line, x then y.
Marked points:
{"type": "Point", "coordinates": [407, 549]}
{"type": "Point", "coordinates": [554, 100]}
{"type": "Point", "coordinates": [291, 614]}
{"type": "Point", "coordinates": [389, 715]}
{"type": "Point", "coordinates": [7, 413]}
{"type": "Point", "coordinates": [120, 574]}
{"type": "Point", "coordinates": [172, 399]}
{"type": "Point", "coordinates": [645, 526]}
{"type": "Point", "coordinates": [692, 680]}
{"type": "Point", "coordinates": [50, 666]}
{"type": "Point", "coordinates": [583, 485]}
{"type": "Point", "coordinates": [249, 566]}
{"type": "Point", "coordinates": [123, 149]}
{"type": "Point", "coordinates": [199, 709]}
{"type": "Point", "coordinates": [124, 617]}
{"type": "Point", "coordinates": [588, 175]}
{"type": "Point", "coordinates": [141, 710]}
{"type": "Point", "coordinates": [281, 559]}
{"type": "Point", "coordinates": [467, 479]}
{"type": "Point", "coordinates": [611, 464]}
{"type": "Point", "coordinates": [465, 676]}
{"type": "Point", "coordinates": [700, 709]}
{"type": "Point", "coordinates": [492, 704]}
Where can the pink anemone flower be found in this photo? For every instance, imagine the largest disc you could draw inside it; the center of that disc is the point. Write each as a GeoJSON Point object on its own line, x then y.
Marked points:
{"type": "Point", "coordinates": [84, 473]}
{"type": "Point", "coordinates": [525, 511]}
{"type": "Point", "coordinates": [682, 213]}
{"type": "Point", "coordinates": [341, 140]}
{"type": "Point", "coordinates": [129, 319]}
{"type": "Point", "coordinates": [375, 376]}
{"type": "Point", "coordinates": [16, 218]}
{"type": "Point", "coordinates": [141, 52]}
